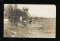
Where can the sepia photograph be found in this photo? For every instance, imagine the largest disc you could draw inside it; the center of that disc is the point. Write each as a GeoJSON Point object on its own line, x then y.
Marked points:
{"type": "Point", "coordinates": [29, 21]}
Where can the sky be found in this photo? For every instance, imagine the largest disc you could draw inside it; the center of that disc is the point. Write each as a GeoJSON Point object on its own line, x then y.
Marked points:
{"type": "Point", "coordinates": [41, 10]}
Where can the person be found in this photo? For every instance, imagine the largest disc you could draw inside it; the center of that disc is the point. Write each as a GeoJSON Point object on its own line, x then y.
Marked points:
{"type": "Point", "coordinates": [30, 20]}
{"type": "Point", "coordinates": [16, 17]}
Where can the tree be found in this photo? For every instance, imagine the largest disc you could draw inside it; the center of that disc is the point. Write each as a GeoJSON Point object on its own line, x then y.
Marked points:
{"type": "Point", "coordinates": [36, 17]}
{"type": "Point", "coordinates": [10, 12]}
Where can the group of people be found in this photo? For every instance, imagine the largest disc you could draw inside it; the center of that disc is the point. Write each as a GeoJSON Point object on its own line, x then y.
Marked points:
{"type": "Point", "coordinates": [14, 17]}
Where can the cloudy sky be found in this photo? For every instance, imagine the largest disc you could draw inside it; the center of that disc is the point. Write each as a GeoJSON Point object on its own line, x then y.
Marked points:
{"type": "Point", "coordinates": [41, 10]}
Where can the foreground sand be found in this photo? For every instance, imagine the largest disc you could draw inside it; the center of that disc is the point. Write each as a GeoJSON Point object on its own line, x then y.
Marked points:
{"type": "Point", "coordinates": [43, 29]}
